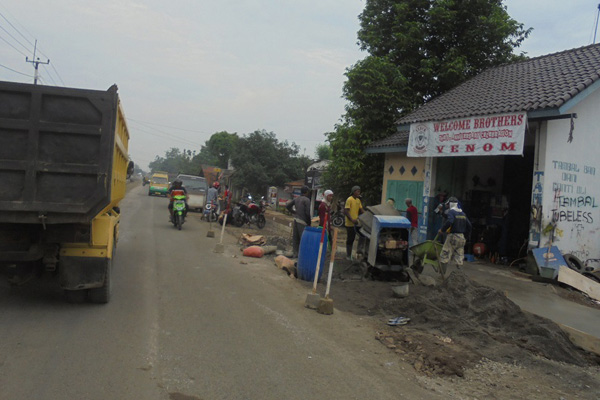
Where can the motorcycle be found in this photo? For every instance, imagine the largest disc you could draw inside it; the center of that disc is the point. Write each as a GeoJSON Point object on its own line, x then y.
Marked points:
{"type": "Point", "coordinates": [338, 218]}
{"type": "Point", "coordinates": [179, 210]}
{"type": "Point", "coordinates": [250, 213]}
{"type": "Point", "coordinates": [211, 212]}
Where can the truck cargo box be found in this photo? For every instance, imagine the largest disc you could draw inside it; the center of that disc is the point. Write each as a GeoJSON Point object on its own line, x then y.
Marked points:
{"type": "Point", "coordinates": [63, 153]}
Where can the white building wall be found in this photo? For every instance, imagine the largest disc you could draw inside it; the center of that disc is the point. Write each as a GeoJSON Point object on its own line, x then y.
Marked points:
{"type": "Point", "coordinates": [571, 181]}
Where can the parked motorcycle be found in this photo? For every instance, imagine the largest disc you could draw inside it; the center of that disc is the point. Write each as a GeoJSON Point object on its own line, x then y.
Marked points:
{"type": "Point", "coordinates": [179, 210]}
{"type": "Point", "coordinates": [338, 218]}
{"type": "Point", "coordinates": [250, 212]}
{"type": "Point", "coordinates": [211, 212]}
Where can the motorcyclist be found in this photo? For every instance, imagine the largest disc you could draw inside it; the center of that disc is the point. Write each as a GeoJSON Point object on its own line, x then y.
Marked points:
{"type": "Point", "coordinates": [176, 185]}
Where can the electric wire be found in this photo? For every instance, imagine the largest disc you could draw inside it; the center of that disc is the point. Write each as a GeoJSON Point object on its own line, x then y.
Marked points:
{"type": "Point", "coordinates": [11, 45]}
{"type": "Point", "coordinates": [29, 42]}
{"type": "Point", "coordinates": [14, 38]}
{"type": "Point", "coordinates": [19, 32]}
{"type": "Point", "coordinates": [166, 126]}
{"type": "Point", "coordinates": [15, 71]}
{"type": "Point", "coordinates": [166, 136]}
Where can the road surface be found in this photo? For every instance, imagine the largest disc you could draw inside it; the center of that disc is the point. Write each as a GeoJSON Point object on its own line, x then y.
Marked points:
{"type": "Point", "coordinates": [187, 323]}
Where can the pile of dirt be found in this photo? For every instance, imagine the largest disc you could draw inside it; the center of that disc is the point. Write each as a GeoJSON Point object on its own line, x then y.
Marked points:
{"type": "Point", "coordinates": [458, 323]}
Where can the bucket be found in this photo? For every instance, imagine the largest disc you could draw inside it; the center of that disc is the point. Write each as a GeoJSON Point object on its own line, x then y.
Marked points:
{"type": "Point", "coordinates": [308, 253]}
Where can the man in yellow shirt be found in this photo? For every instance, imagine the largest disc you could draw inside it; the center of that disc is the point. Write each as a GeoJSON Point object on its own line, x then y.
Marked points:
{"type": "Point", "coordinates": [352, 210]}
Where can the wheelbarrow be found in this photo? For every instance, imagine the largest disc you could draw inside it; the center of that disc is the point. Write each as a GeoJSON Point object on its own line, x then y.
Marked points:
{"type": "Point", "coordinates": [428, 253]}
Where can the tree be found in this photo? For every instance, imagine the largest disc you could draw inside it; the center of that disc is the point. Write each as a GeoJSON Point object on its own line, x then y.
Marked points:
{"type": "Point", "coordinates": [260, 161]}
{"type": "Point", "coordinates": [323, 152]}
{"type": "Point", "coordinates": [176, 162]}
{"type": "Point", "coordinates": [217, 150]}
{"type": "Point", "coordinates": [417, 49]}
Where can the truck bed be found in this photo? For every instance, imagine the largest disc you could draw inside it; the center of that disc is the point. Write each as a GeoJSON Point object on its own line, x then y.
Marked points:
{"type": "Point", "coordinates": [60, 153]}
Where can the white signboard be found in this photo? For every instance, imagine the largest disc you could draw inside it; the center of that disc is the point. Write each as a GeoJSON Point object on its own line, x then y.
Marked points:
{"type": "Point", "coordinates": [501, 134]}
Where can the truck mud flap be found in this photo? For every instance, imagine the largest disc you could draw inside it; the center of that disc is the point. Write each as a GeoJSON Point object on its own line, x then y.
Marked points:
{"type": "Point", "coordinates": [76, 273]}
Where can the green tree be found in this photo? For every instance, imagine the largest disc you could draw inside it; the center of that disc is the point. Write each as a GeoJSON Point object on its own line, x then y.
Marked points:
{"type": "Point", "coordinates": [260, 161]}
{"type": "Point", "coordinates": [417, 49]}
{"type": "Point", "coordinates": [176, 161]}
{"type": "Point", "coordinates": [323, 152]}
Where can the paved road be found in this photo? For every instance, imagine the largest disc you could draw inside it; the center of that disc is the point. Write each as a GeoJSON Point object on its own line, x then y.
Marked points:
{"type": "Point", "coordinates": [186, 323]}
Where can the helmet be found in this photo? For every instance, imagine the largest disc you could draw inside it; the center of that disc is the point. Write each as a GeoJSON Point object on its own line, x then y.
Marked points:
{"type": "Point", "coordinates": [177, 182]}
{"type": "Point", "coordinates": [216, 184]}
{"type": "Point", "coordinates": [452, 200]}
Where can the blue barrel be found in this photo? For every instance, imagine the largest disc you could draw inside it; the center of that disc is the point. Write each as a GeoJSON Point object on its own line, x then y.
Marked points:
{"type": "Point", "coordinates": [308, 253]}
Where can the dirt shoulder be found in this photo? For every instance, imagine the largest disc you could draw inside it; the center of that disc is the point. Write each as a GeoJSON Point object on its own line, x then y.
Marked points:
{"type": "Point", "coordinates": [464, 340]}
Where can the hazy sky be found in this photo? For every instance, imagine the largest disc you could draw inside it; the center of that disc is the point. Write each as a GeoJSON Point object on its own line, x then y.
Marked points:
{"type": "Point", "coordinates": [189, 68]}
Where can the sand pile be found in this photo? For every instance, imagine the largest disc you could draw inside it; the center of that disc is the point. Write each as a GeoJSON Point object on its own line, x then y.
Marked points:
{"type": "Point", "coordinates": [480, 322]}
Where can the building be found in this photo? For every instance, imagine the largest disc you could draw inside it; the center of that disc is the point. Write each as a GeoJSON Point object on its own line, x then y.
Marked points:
{"type": "Point", "coordinates": [518, 144]}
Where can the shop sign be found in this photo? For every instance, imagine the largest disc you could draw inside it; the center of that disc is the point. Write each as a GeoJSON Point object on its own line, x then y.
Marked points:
{"type": "Point", "coordinates": [491, 135]}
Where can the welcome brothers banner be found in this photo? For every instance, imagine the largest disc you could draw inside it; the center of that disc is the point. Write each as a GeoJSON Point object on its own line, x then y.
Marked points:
{"type": "Point", "coordinates": [501, 134]}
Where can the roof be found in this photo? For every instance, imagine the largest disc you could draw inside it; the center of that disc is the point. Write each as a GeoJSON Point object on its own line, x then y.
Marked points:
{"type": "Point", "coordinates": [295, 183]}
{"type": "Point", "coordinates": [542, 86]}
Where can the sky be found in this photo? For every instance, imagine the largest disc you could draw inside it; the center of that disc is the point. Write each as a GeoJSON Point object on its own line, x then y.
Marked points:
{"type": "Point", "coordinates": [189, 68]}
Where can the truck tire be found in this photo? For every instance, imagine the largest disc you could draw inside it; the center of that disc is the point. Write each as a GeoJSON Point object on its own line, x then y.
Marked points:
{"type": "Point", "coordinates": [75, 296]}
{"type": "Point", "coordinates": [102, 294]}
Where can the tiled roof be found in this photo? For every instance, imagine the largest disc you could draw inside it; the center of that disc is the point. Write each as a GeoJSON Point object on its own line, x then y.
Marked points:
{"type": "Point", "coordinates": [541, 83]}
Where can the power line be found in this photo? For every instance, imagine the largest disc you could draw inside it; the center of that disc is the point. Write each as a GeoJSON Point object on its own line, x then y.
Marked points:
{"type": "Point", "coordinates": [166, 126]}
{"type": "Point", "coordinates": [170, 135]}
{"type": "Point", "coordinates": [27, 40]}
{"type": "Point", "coordinates": [11, 45]}
{"type": "Point", "coordinates": [14, 38]}
{"type": "Point", "coordinates": [15, 71]}
{"type": "Point", "coordinates": [19, 32]}
{"type": "Point", "coordinates": [167, 136]}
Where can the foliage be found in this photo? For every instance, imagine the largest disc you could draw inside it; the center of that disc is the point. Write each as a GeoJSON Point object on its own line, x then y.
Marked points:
{"type": "Point", "coordinates": [323, 152]}
{"type": "Point", "coordinates": [176, 161]}
{"type": "Point", "coordinates": [417, 49]}
{"type": "Point", "coordinates": [260, 161]}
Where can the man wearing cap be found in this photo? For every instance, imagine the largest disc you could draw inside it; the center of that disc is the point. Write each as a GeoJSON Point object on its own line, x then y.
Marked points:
{"type": "Point", "coordinates": [458, 229]}
{"type": "Point", "coordinates": [300, 209]}
{"type": "Point", "coordinates": [325, 210]}
{"type": "Point", "coordinates": [352, 210]}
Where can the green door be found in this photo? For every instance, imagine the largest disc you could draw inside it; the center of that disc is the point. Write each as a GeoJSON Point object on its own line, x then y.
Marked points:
{"type": "Point", "coordinates": [400, 190]}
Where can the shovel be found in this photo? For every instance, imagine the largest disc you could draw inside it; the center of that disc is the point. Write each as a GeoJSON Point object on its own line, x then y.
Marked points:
{"type": "Point", "coordinates": [313, 298]}
{"type": "Point", "coordinates": [326, 304]}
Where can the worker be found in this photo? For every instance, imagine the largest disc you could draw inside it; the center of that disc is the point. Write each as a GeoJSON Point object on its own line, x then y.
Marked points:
{"type": "Point", "coordinates": [458, 229]}
{"type": "Point", "coordinates": [352, 209]}
{"type": "Point", "coordinates": [300, 209]}
{"type": "Point", "coordinates": [413, 216]}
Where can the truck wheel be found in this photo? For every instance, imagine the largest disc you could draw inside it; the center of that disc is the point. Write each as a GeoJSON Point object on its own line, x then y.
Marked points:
{"type": "Point", "coordinates": [75, 296]}
{"type": "Point", "coordinates": [101, 295]}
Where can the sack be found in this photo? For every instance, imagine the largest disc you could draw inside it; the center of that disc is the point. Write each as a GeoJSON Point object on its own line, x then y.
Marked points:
{"type": "Point", "coordinates": [254, 251]}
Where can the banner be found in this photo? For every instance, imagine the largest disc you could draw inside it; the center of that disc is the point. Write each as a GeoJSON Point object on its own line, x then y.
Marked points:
{"type": "Point", "coordinates": [492, 135]}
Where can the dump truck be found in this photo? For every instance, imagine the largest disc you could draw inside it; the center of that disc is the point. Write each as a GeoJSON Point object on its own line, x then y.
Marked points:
{"type": "Point", "coordinates": [63, 171]}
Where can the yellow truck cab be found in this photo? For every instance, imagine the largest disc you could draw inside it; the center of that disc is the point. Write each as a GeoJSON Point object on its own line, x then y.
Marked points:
{"type": "Point", "coordinates": [159, 184]}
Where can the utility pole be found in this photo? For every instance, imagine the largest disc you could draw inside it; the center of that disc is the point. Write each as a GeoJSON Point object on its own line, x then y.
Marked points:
{"type": "Point", "coordinates": [36, 62]}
